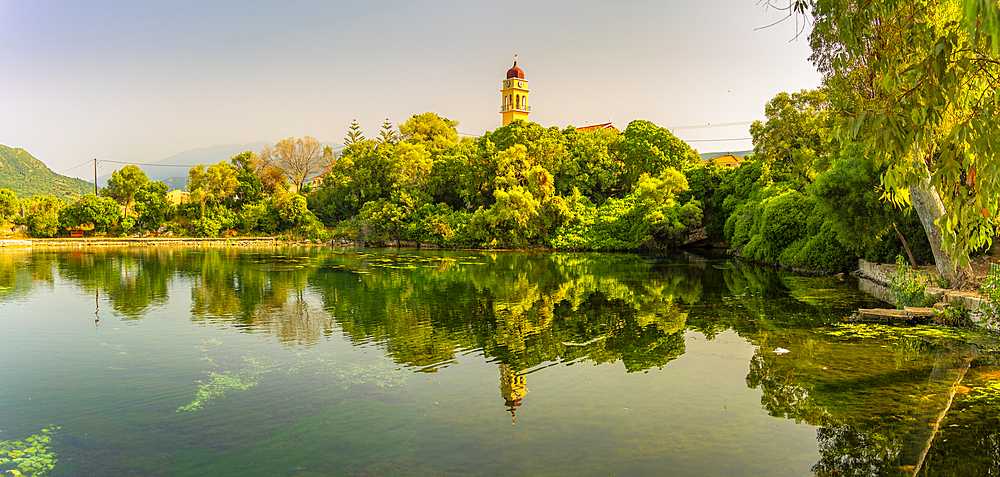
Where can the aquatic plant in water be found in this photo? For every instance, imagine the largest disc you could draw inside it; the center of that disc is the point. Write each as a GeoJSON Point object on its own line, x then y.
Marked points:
{"type": "Point", "coordinates": [381, 374]}
{"type": "Point", "coordinates": [988, 393]}
{"type": "Point", "coordinates": [31, 456]}
{"type": "Point", "coordinates": [873, 330]}
{"type": "Point", "coordinates": [220, 383]}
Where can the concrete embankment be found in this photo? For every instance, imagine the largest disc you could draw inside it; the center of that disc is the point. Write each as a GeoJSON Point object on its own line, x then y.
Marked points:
{"type": "Point", "coordinates": [143, 242]}
{"type": "Point", "coordinates": [874, 279]}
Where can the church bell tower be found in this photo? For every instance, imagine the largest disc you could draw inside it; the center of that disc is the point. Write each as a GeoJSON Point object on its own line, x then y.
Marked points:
{"type": "Point", "coordinates": [514, 94]}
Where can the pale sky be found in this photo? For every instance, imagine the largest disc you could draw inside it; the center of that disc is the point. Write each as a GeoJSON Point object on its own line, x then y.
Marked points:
{"type": "Point", "coordinates": [136, 80]}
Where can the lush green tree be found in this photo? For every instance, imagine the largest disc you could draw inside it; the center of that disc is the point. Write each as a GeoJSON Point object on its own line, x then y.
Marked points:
{"type": "Point", "coordinates": [42, 219]}
{"type": "Point", "coordinates": [851, 195]}
{"type": "Point", "coordinates": [646, 148]}
{"type": "Point", "coordinates": [435, 132]}
{"type": "Point", "coordinates": [648, 216]}
{"type": "Point", "coordinates": [291, 208]}
{"type": "Point", "coordinates": [590, 165]}
{"type": "Point", "coordinates": [103, 213]}
{"type": "Point", "coordinates": [460, 176]}
{"type": "Point", "coordinates": [387, 220]}
{"type": "Point", "coordinates": [463, 175]}
{"type": "Point", "coordinates": [123, 185]}
{"type": "Point", "coordinates": [364, 172]}
{"type": "Point", "coordinates": [413, 165]}
{"type": "Point", "coordinates": [151, 205]}
{"type": "Point", "coordinates": [250, 188]}
{"type": "Point", "coordinates": [212, 185]}
{"type": "Point", "coordinates": [705, 180]}
{"type": "Point", "coordinates": [10, 206]}
{"type": "Point", "coordinates": [795, 134]}
{"type": "Point", "coordinates": [525, 209]}
{"type": "Point", "coordinates": [916, 81]}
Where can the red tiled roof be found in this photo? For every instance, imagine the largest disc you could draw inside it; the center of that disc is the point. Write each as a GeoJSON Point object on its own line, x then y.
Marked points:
{"type": "Point", "coordinates": [593, 127]}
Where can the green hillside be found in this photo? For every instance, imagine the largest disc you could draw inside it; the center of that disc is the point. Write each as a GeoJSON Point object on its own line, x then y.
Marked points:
{"type": "Point", "coordinates": [26, 176]}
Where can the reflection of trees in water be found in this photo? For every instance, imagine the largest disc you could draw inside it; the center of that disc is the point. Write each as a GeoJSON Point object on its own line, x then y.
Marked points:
{"type": "Point", "coordinates": [876, 406]}
{"type": "Point", "coordinates": [852, 452]}
{"type": "Point", "coordinates": [524, 310]}
{"type": "Point", "coordinates": [970, 448]}
{"type": "Point", "coordinates": [21, 271]}
{"type": "Point", "coordinates": [873, 404]}
{"type": "Point", "coordinates": [258, 291]}
{"type": "Point", "coordinates": [969, 440]}
{"type": "Point", "coordinates": [521, 309]}
{"type": "Point", "coordinates": [861, 396]}
{"type": "Point", "coordinates": [133, 280]}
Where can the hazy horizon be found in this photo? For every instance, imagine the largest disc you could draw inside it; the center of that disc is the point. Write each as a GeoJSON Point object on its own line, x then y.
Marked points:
{"type": "Point", "coordinates": [142, 81]}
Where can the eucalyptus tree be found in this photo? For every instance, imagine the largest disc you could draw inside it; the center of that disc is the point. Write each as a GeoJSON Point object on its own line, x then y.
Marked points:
{"type": "Point", "coordinates": [916, 82]}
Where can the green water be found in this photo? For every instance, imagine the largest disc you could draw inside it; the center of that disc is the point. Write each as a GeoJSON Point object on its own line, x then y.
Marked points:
{"type": "Point", "coordinates": [316, 361]}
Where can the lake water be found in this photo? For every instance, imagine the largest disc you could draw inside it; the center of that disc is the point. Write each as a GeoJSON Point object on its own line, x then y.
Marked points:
{"type": "Point", "coordinates": [317, 361]}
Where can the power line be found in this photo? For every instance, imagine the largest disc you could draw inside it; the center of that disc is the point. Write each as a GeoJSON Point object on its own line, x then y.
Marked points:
{"type": "Point", "coordinates": [89, 162]}
{"type": "Point", "coordinates": [710, 125]}
{"type": "Point", "coordinates": [718, 140]}
{"type": "Point", "coordinates": [150, 164]}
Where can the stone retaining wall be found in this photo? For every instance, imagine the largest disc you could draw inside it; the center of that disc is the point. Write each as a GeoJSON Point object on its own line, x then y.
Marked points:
{"type": "Point", "coordinates": [152, 241]}
{"type": "Point", "coordinates": [874, 280]}
{"type": "Point", "coordinates": [875, 272]}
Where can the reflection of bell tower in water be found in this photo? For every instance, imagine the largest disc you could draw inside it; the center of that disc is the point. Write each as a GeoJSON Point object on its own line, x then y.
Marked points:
{"type": "Point", "coordinates": [513, 388]}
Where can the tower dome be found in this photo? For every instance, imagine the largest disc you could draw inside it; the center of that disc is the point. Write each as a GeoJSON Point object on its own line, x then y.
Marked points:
{"type": "Point", "coordinates": [515, 72]}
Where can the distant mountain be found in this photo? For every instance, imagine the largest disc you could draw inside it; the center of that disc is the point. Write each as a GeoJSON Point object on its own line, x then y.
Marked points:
{"type": "Point", "coordinates": [174, 183]}
{"type": "Point", "coordinates": [26, 176]}
{"type": "Point", "coordinates": [178, 164]}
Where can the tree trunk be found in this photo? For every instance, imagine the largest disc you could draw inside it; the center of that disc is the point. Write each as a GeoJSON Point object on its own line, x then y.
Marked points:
{"type": "Point", "coordinates": [906, 246]}
{"type": "Point", "coordinates": [929, 207]}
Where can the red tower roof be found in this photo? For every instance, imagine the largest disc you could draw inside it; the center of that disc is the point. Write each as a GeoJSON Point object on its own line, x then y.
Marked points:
{"type": "Point", "coordinates": [515, 72]}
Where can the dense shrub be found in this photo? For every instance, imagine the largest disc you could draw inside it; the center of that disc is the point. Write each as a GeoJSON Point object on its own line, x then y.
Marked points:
{"type": "Point", "coordinates": [206, 226]}
{"type": "Point", "coordinates": [784, 220]}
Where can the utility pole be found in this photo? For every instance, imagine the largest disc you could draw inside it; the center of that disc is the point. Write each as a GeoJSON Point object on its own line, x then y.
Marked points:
{"type": "Point", "coordinates": [95, 176]}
